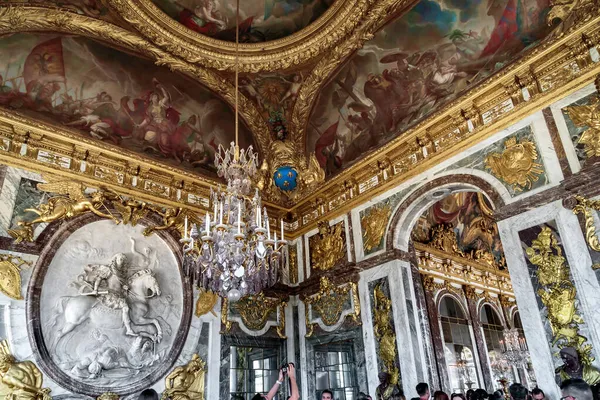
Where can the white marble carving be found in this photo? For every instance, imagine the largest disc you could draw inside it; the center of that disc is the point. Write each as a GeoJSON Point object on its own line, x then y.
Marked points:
{"type": "Point", "coordinates": [105, 319]}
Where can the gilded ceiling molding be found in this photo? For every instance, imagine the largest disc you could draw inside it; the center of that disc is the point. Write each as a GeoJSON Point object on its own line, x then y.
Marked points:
{"type": "Point", "coordinates": [26, 18]}
{"type": "Point", "coordinates": [378, 13]}
{"type": "Point", "coordinates": [317, 39]}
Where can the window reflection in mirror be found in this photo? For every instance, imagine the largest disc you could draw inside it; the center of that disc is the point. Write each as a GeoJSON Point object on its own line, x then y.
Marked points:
{"type": "Point", "coordinates": [252, 370]}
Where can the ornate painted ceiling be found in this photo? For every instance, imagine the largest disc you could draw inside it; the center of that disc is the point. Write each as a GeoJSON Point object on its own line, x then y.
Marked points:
{"type": "Point", "coordinates": [348, 93]}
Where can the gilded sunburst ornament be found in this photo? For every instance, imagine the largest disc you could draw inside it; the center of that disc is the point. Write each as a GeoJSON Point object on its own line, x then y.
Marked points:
{"type": "Point", "coordinates": [516, 165]}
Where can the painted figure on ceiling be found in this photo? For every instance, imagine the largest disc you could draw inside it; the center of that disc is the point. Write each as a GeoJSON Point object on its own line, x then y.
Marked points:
{"type": "Point", "coordinates": [111, 103]}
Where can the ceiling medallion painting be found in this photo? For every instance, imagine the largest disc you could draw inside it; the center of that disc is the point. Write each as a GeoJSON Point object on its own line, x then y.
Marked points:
{"type": "Point", "coordinates": [81, 84]}
{"type": "Point", "coordinates": [260, 20]}
{"type": "Point", "coordinates": [390, 84]}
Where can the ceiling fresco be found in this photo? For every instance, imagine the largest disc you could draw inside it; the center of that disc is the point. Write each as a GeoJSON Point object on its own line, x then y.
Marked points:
{"type": "Point", "coordinates": [414, 65]}
{"type": "Point", "coordinates": [469, 215]}
{"type": "Point", "coordinates": [100, 91]}
{"type": "Point", "coordinates": [260, 20]}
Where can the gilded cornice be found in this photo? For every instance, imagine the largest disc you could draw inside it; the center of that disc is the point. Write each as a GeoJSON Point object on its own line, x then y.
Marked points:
{"type": "Point", "coordinates": [26, 18]}
{"type": "Point", "coordinates": [451, 268]}
{"type": "Point", "coordinates": [320, 37]}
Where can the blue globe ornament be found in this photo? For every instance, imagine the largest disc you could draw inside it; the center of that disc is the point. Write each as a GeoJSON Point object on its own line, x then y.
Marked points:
{"type": "Point", "coordinates": [285, 178]}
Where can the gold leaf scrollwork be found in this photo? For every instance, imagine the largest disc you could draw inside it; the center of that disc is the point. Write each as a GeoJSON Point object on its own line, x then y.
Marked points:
{"type": "Point", "coordinates": [329, 302]}
{"type": "Point", "coordinates": [516, 165]}
{"type": "Point", "coordinates": [186, 382]}
{"type": "Point", "coordinates": [385, 333]}
{"type": "Point", "coordinates": [558, 294]}
{"type": "Point", "coordinates": [588, 116]}
{"type": "Point", "coordinates": [328, 248]}
{"type": "Point", "coordinates": [374, 224]}
{"type": "Point", "coordinates": [20, 380]}
{"type": "Point", "coordinates": [255, 310]}
{"type": "Point", "coordinates": [225, 322]}
{"type": "Point", "coordinates": [585, 207]}
{"type": "Point", "coordinates": [293, 264]}
{"type": "Point", "coordinates": [10, 275]}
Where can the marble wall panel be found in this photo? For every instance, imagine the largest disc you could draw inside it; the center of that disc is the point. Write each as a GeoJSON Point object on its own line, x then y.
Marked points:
{"type": "Point", "coordinates": [18, 192]}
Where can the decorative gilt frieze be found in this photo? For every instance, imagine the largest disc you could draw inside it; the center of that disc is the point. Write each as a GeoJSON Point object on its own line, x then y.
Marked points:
{"type": "Point", "coordinates": [516, 165]}
{"type": "Point", "coordinates": [186, 382]}
{"type": "Point", "coordinates": [585, 206]}
{"type": "Point", "coordinates": [385, 333]}
{"type": "Point", "coordinates": [328, 304]}
{"type": "Point", "coordinates": [10, 275]}
{"type": "Point", "coordinates": [254, 311]}
{"type": "Point", "coordinates": [558, 294]}
{"type": "Point", "coordinates": [328, 247]}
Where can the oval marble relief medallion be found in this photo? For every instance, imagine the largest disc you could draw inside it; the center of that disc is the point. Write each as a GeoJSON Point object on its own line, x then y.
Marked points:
{"type": "Point", "coordinates": [108, 308]}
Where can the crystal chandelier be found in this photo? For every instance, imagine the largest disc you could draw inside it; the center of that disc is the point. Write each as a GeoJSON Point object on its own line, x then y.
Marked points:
{"type": "Point", "coordinates": [514, 348]}
{"type": "Point", "coordinates": [233, 253]}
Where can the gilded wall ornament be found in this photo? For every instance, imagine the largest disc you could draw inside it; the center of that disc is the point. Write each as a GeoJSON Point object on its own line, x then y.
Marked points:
{"type": "Point", "coordinates": [20, 380]}
{"type": "Point", "coordinates": [70, 202]}
{"type": "Point", "coordinates": [385, 333]}
{"type": "Point", "coordinates": [293, 264]}
{"type": "Point", "coordinates": [327, 247]}
{"type": "Point", "coordinates": [254, 311]}
{"type": "Point", "coordinates": [10, 275]}
{"type": "Point", "coordinates": [585, 206]}
{"type": "Point", "coordinates": [329, 302]}
{"type": "Point", "coordinates": [558, 294]}
{"type": "Point", "coordinates": [187, 381]}
{"type": "Point", "coordinates": [108, 396]}
{"type": "Point", "coordinates": [205, 303]}
{"type": "Point", "coordinates": [588, 116]}
{"type": "Point", "coordinates": [516, 165]}
{"type": "Point", "coordinates": [374, 224]}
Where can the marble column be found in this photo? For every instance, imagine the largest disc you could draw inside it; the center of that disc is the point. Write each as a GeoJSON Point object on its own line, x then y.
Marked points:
{"type": "Point", "coordinates": [472, 300]}
{"type": "Point", "coordinates": [436, 336]}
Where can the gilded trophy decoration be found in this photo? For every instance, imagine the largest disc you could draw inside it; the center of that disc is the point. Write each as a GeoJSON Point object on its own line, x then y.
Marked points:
{"type": "Point", "coordinates": [186, 382]}
{"type": "Point", "coordinates": [588, 116]}
{"type": "Point", "coordinates": [374, 224]}
{"type": "Point", "coordinates": [585, 206]}
{"type": "Point", "coordinates": [558, 294]}
{"type": "Point", "coordinates": [328, 246]}
{"type": "Point", "coordinates": [21, 380]}
{"type": "Point", "coordinates": [385, 333]}
{"type": "Point", "coordinates": [207, 300]}
{"type": "Point", "coordinates": [516, 165]}
{"type": "Point", "coordinates": [329, 302]}
{"type": "Point", "coordinates": [10, 275]}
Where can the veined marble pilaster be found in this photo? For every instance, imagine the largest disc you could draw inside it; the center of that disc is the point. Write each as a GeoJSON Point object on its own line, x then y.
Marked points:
{"type": "Point", "coordinates": [578, 258]}
{"type": "Point", "coordinates": [480, 344]}
{"type": "Point", "coordinates": [412, 364]}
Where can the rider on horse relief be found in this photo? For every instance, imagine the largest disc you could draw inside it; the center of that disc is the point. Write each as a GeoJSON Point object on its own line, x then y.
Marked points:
{"type": "Point", "coordinates": [109, 284]}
